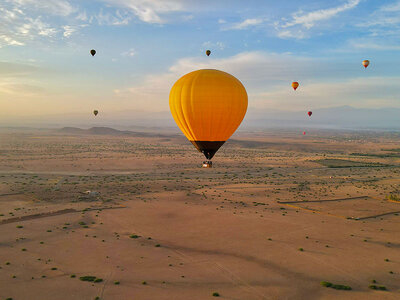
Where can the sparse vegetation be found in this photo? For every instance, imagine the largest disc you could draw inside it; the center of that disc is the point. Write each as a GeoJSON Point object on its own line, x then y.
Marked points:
{"type": "Point", "coordinates": [335, 286]}
{"type": "Point", "coordinates": [377, 287]}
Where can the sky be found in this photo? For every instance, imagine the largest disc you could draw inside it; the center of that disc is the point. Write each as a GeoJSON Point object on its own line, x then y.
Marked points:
{"type": "Point", "coordinates": [144, 46]}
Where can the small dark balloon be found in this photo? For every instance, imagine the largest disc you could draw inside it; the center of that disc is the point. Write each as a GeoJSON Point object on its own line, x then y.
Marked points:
{"type": "Point", "coordinates": [95, 112]}
{"type": "Point", "coordinates": [208, 52]}
{"type": "Point", "coordinates": [93, 52]}
{"type": "Point", "coordinates": [309, 113]}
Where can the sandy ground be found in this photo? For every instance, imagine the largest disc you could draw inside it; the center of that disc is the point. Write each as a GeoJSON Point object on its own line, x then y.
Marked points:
{"type": "Point", "coordinates": [259, 225]}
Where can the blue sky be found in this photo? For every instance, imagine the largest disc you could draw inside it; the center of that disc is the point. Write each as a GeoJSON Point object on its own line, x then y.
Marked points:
{"type": "Point", "coordinates": [144, 46]}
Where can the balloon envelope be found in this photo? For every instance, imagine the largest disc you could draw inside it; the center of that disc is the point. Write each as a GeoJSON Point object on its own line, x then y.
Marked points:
{"type": "Point", "coordinates": [208, 106]}
{"type": "Point", "coordinates": [365, 63]}
{"type": "Point", "coordinates": [93, 52]}
{"type": "Point", "coordinates": [304, 133]}
{"type": "Point", "coordinates": [208, 52]}
{"type": "Point", "coordinates": [309, 113]}
{"type": "Point", "coordinates": [95, 112]}
{"type": "Point", "coordinates": [295, 85]}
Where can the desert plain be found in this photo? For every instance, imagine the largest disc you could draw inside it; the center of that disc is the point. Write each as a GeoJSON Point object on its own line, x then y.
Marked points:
{"type": "Point", "coordinates": [106, 214]}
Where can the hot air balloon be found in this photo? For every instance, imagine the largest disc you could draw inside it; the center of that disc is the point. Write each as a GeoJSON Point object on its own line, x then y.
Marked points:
{"type": "Point", "coordinates": [208, 52]}
{"type": "Point", "coordinates": [365, 63]}
{"type": "Point", "coordinates": [93, 52]}
{"type": "Point", "coordinates": [95, 112]}
{"type": "Point", "coordinates": [304, 133]}
{"type": "Point", "coordinates": [295, 85]}
{"type": "Point", "coordinates": [309, 113]}
{"type": "Point", "coordinates": [208, 106]}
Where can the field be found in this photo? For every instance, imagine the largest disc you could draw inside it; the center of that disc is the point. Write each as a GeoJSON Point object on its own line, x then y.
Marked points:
{"type": "Point", "coordinates": [277, 215]}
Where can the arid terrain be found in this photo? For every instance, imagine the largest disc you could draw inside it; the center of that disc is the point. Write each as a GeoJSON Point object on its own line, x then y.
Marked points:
{"type": "Point", "coordinates": [277, 215]}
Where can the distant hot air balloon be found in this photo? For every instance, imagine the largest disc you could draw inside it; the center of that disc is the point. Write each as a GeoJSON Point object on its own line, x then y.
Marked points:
{"type": "Point", "coordinates": [95, 112]}
{"type": "Point", "coordinates": [208, 52]}
{"type": "Point", "coordinates": [304, 133]}
{"type": "Point", "coordinates": [365, 63]}
{"type": "Point", "coordinates": [93, 52]}
{"type": "Point", "coordinates": [309, 113]}
{"type": "Point", "coordinates": [295, 85]}
{"type": "Point", "coordinates": [208, 106]}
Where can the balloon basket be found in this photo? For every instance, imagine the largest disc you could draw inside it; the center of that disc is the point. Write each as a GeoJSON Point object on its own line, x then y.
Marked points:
{"type": "Point", "coordinates": [207, 164]}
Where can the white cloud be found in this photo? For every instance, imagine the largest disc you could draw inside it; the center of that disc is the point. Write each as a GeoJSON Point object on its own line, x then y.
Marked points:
{"type": "Point", "coordinates": [24, 21]}
{"type": "Point", "coordinates": [244, 24]}
{"type": "Point", "coordinates": [373, 44]}
{"type": "Point", "coordinates": [130, 53]}
{"type": "Point", "coordinates": [150, 11]}
{"type": "Point", "coordinates": [54, 7]}
{"type": "Point", "coordinates": [117, 19]}
{"type": "Point", "coordinates": [394, 7]}
{"type": "Point", "coordinates": [306, 20]}
{"type": "Point", "coordinates": [309, 19]}
{"type": "Point", "coordinates": [381, 29]}
{"type": "Point", "coordinates": [7, 40]}
{"type": "Point", "coordinates": [211, 45]}
{"type": "Point", "coordinates": [69, 30]}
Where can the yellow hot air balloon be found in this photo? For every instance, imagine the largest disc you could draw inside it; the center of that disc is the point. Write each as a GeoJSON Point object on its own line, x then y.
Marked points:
{"type": "Point", "coordinates": [208, 106]}
{"type": "Point", "coordinates": [365, 63]}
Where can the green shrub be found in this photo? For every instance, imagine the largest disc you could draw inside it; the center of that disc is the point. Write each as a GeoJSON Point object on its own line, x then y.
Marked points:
{"type": "Point", "coordinates": [335, 286]}
{"type": "Point", "coordinates": [87, 278]}
{"type": "Point", "coordinates": [215, 294]}
{"type": "Point", "coordinates": [377, 287]}
{"type": "Point", "coordinates": [326, 283]}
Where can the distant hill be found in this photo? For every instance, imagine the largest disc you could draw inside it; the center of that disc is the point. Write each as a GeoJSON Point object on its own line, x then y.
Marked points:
{"type": "Point", "coordinates": [138, 123]}
{"type": "Point", "coordinates": [107, 131]}
{"type": "Point", "coordinates": [341, 117]}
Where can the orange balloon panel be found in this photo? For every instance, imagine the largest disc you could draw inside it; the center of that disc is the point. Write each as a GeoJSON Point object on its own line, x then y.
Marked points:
{"type": "Point", "coordinates": [365, 63]}
{"type": "Point", "coordinates": [295, 85]}
{"type": "Point", "coordinates": [208, 106]}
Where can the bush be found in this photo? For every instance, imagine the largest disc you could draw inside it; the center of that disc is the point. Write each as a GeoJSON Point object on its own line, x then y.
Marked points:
{"type": "Point", "coordinates": [377, 287]}
{"type": "Point", "coordinates": [134, 236]}
{"type": "Point", "coordinates": [215, 294]}
{"type": "Point", "coordinates": [326, 283]}
{"type": "Point", "coordinates": [88, 278]}
{"type": "Point", "coordinates": [335, 286]}
{"type": "Point", "coordinates": [341, 287]}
